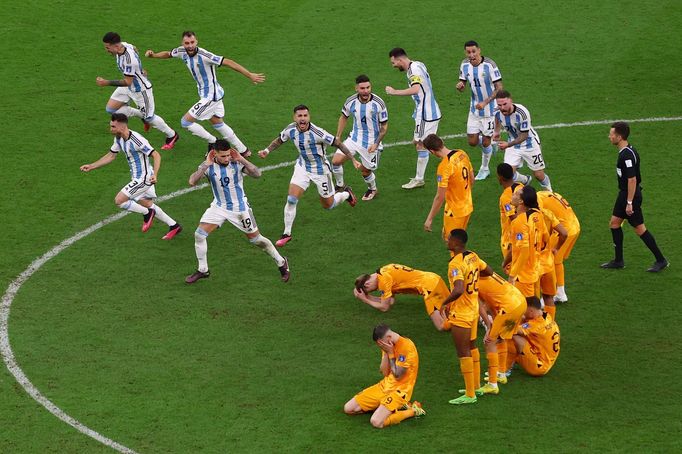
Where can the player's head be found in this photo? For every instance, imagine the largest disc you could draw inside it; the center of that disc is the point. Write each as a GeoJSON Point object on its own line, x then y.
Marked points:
{"type": "Point", "coordinates": [189, 42]}
{"type": "Point", "coordinates": [619, 132]}
{"type": "Point", "coordinates": [112, 43]}
{"type": "Point", "coordinates": [534, 307]}
{"type": "Point", "coordinates": [366, 283]}
{"type": "Point", "coordinates": [118, 124]}
{"type": "Point", "coordinates": [472, 51]}
{"type": "Point", "coordinates": [505, 173]}
{"type": "Point", "coordinates": [380, 332]}
{"type": "Point", "coordinates": [399, 58]}
{"type": "Point", "coordinates": [528, 196]}
{"type": "Point", "coordinates": [457, 240]}
{"type": "Point", "coordinates": [223, 155]}
{"type": "Point", "coordinates": [363, 87]}
{"type": "Point", "coordinates": [302, 116]}
{"type": "Point", "coordinates": [433, 143]}
{"type": "Point", "coordinates": [505, 102]}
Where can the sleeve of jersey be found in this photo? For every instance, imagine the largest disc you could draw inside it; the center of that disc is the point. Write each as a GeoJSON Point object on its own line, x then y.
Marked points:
{"type": "Point", "coordinates": [443, 175]}
{"type": "Point", "coordinates": [520, 235]}
{"type": "Point", "coordinates": [175, 53]}
{"type": "Point", "coordinates": [326, 137]}
{"type": "Point", "coordinates": [214, 59]}
{"type": "Point", "coordinates": [345, 111]}
{"type": "Point", "coordinates": [455, 273]}
{"type": "Point", "coordinates": [462, 77]}
{"type": "Point", "coordinates": [115, 148]}
{"type": "Point", "coordinates": [284, 135]}
{"type": "Point", "coordinates": [406, 358]}
{"type": "Point", "coordinates": [495, 74]}
{"type": "Point", "coordinates": [146, 148]}
{"type": "Point", "coordinates": [481, 264]}
{"type": "Point", "coordinates": [629, 165]}
{"type": "Point", "coordinates": [524, 122]}
{"type": "Point", "coordinates": [383, 115]}
{"type": "Point", "coordinates": [385, 286]}
{"type": "Point", "coordinates": [416, 78]}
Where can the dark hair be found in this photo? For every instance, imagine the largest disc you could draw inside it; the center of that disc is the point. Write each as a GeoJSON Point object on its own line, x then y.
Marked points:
{"type": "Point", "coordinates": [119, 117]}
{"type": "Point", "coordinates": [111, 38]}
{"type": "Point", "coordinates": [503, 94]}
{"type": "Point", "coordinates": [301, 107]}
{"type": "Point", "coordinates": [534, 302]}
{"type": "Point", "coordinates": [361, 281]}
{"type": "Point", "coordinates": [221, 145]}
{"type": "Point", "coordinates": [397, 52]}
{"type": "Point", "coordinates": [188, 33]}
{"type": "Point", "coordinates": [470, 43]}
{"type": "Point", "coordinates": [380, 331]}
{"type": "Point", "coordinates": [432, 142]}
{"type": "Point", "coordinates": [361, 78]}
{"type": "Point", "coordinates": [460, 235]}
{"type": "Point", "coordinates": [529, 197]}
{"type": "Point", "coordinates": [622, 129]}
{"type": "Point", "coordinates": [505, 171]}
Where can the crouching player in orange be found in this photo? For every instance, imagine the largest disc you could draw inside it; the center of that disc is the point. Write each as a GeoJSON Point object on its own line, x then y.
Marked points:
{"type": "Point", "coordinates": [507, 305]}
{"type": "Point", "coordinates": [461, 310]}
{"type": "Point", "coordinates": [390, 398]}
{"type": "Point", "coordinates": [394, 278]}
{"type": "Point", "coordinates": [536, 344]}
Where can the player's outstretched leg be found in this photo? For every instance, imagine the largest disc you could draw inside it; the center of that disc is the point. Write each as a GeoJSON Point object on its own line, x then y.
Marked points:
{"type": "Point", "coordinates": [229, 135]}
{"type": "Point", "coordinates": [371, 181]}
{"type": "Point", "coordinates": [266, 245]}
{"type": "Point", "coordinates": [201, 250]}
{"type": "Point", "coordinates": [289, 216]}
{"type": "Point", "coordinates": [197, 130]}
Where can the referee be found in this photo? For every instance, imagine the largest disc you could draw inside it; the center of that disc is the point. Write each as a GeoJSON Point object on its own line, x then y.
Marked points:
{"type": "Point", "coordinates": [629, 201]}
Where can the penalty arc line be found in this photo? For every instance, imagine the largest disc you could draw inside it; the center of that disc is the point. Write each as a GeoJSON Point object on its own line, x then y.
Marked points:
{"type": "Point", "coordinates": [13, 288]}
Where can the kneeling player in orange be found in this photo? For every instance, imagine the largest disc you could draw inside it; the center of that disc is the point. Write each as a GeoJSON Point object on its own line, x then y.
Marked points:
{"type": "Point", "coordinates": [507, 304]}
{"type": "Point", "coordinates": [394, 278]}
{"type": "Point", "coordinates": [524, 254]}
{"type": "Point", "coordinates": [536, 344]}
{"type": "Point", "coordinates": [461, 310]}
{"type": "Point", "coordinates": [390, 398]}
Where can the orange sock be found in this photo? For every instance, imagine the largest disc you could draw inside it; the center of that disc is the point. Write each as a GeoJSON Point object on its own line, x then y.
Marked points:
{"type": "Point", "coordinates": [476, 356]}
{"type": "Point", "coordinates": [511, 354]}
{"type": "Point", "coordinates": [492, 367]}
{"type": "Point", "coordinates": [502, 355]}
{"type": "Point", "coordinates": [398, 416]}
{"type": "Point", "coordinates": [466, 365]}
{"type": "Point", "coordinates": [559, 270]}
{"type": "Point", "coordinates": [551, 310]}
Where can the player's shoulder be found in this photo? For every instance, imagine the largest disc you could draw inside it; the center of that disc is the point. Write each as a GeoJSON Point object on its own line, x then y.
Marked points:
{"type": "Point", "coordinates": [521, 110]}
{"type": "Point", "coordinates": [318, 131]}
{"type": "Point", "coordinates": [138, 139]}
{"type": "Point", "coordinates": [464, 62]}
{"type": "Point", "coordinates": [489, 61]}
{"type": "Point", "coordinates": [377, 99]}
{"type": "Point", "coordinates": [350, 99]}
{"type": "Point", "coordinates": [289, 127]}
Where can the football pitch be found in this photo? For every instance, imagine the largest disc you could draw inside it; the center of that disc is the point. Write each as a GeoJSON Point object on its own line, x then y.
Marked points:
{"type": "Point", "coordinates": [109, 334]}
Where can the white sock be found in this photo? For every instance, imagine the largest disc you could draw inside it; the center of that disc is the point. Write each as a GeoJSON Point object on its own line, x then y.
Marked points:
{"type": "Point", "coordinates": [339, 197]}
{"type": "Point", "coordinates": [130, 112]}
{"type": "Point", "coordinates": [521, 178]}
{"type": "Point", "coordinates": [546, 184]}
{"type": "Point", "coordinates": [267, 246]}
{"type": "Point", "coordinates": [560, 290]}
{"type": "Point", "coordinates": [229, 135]}
{"type": "Point", "coordinates": [338, 175]}
{"type": "Point", "coordinates": [485, 156]}
{"type": "Point", "coordinates": [422, 161]}
{"type": "Point", "coordinates": [159, 123]}
{"type": "Point", "coordinates": [371, 181]}
{"type": "Point", "coordinates": [162, 216]}
{"type": "Point", "coordinates": [201, 249]}
{"type": "Point", "coordinates": [289, 214]}
{"type": "Point", "coordinates": [133, 206]}
{"type": "Point", "coordinates": [199, 131]}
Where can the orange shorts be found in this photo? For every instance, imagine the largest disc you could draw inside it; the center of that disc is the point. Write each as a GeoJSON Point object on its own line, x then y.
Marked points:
{"type": "Point", "coordinates": [451, 222]}
{"type": "Point", "coordinates": [462, 322]}
{"type": "Point", "coordinates": [505, 324]}
{"type": "Point", "coordinates": [527, 289]}
{"type": "Point", "coordinates": [434, 300]}
{"type": "Point", "coordinates": [531, 363]}
{"type": "Point", "coordinates": [370, 398]}
{"type": "Point", "coordinates": [566, 248]}
{"type": "Point", "coordinates": [548, 283]}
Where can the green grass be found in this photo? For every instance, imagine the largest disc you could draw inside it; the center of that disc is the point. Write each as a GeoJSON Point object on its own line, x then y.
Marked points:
{"type": "Point", "coordinates": [239, 363]}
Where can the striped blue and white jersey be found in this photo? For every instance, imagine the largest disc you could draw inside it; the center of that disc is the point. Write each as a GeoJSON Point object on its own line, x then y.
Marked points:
{"type": "Point", "coordinates": [227, 185]}
{"type": "Point", "coordinates": [481, 80]}
{"type": "Point", "coordinates": [137, 151]}
{"type": "Point", "coordinates": [311, 145]}
{"type": "Point", "coordinates": [367, 118]}
{"type": "Point", "coordinates": [517, 122]}
{"type": "Point", "coordinates": [425, 105]}
{"type": "Point", "coordinates": [129, 64]}
{"type": "Point", "coordinates": [202, 66]}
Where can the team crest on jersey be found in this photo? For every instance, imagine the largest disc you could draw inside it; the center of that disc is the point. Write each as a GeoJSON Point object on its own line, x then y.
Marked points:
{"type": "Point", "coordinates": [454, 273]}
{"type": "Point", "coordinates": [216, 59]}
{"type": "Point", "coordinates": [439, 178]}
{"type": "Point", "coordinates": [507, 207]}
{"type": "Point", "coordinates": [525, 325]}
{"type": "Point", "coordinates": [401, 358]}
{"type": "Point", "coordinates": [519, 236]}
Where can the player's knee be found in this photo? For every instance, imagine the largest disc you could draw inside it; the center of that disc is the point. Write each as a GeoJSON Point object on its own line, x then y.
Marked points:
{"type": "Point", "coordinates": [422, 154]}
{"type": "Point", "coordinates": [256, 239]}
{"type": "Point", "coordinates": [292, 199]}
{"type": "Point", "coordinates": [110, 110]}
{"type": "Point", "coordinates": [377, 422]}
{"type": "Point", "coordinates": [124, 205]}
{"type": "Point", "coordinates": [349, 408]}
{"type": "Point", "coordinates": [200, 234]}
{"type": "Point", "coordinates": [473, 141]}
{"type": "Point", "coordinates": [185, 123]}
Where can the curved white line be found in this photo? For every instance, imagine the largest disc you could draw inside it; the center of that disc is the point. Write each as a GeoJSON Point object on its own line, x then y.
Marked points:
{"type": "Point", "coordinates": [15, 285]}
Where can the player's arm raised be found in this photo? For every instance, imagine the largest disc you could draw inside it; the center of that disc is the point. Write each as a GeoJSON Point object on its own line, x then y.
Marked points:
{"type": "Point", "coordinates": [250, 169]}
{"type": "Point", "coordinates": [256, 78]}
{"type": "Point", "coordinates": [201, 171]}
{"type": "Point", "coordinates": [104, 160]}
{"type": "Point", "coordinates": [435, 207]}
{"type": "Point", "coordinates": [125, 82]}
{"type": "Point", "coordinates": [338, 144]}
{"type": "Point", "coordinates": [413, 90]}
{"type": "Point", "coordinates": [275, 144]}
{"type": "Point", "coordinates": [163, 54]}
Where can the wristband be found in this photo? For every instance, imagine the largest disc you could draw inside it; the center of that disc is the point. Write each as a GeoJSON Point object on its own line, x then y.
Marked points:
{"type": "Point", "coordinates": [629, 202]}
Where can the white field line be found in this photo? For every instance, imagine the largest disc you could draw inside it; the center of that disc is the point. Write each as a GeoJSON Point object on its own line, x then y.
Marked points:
{"type": "Point", "coordinates": [15, 285]}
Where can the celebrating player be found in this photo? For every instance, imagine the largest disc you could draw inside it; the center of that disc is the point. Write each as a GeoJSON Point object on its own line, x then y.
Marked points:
{"type": "Point", "coordinates": [485, 81]}
{"type": "Point", "coordinates": [390, 398]}
{"type": "Point", "coordinates": [453, 178]}
{"type": "Point", "coordinates": [202, 65]}
{"type": "Point", "coordinates": [311, 165]}
{"type": "Point", "coordinates": [223, 168]}
{"type": "Point", "coordinates": [138, 195]}
{"type": "Point", "coordinates": [505, 176]}
{"type": "Point", "coordinates": [426, 111]}
{"type": "Point", "coordinates": [136, 86]}
{"type": "Point", "coordinates": [370, 123]}
{"type": "Point", "coordinates": [393, 279]}
{"type": "Point", "coordinates": [523, 257]}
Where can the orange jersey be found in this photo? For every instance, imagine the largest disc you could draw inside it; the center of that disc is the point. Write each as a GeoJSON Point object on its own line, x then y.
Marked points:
{"type": "Point", "coordinates": [523, 234]}
{"type": "Point", "coordinates": [555, 203]}
{"type": "Point", "coordinates": [499, 294]}
{"type": "Point", "coordinates": [405, 354]}
{"type": "Point", "coordinates": [466, 267]}
{"type": "Point", "coordinates": [395, 278]}
{"type": "Point", "coordinates": [543, 337]}
{"type": "Point", "coordinates": [455, 173]}
{"type": "Point", "coordinates": [507, 210]}
{"type": "Point", "coordinates": [548, 225]}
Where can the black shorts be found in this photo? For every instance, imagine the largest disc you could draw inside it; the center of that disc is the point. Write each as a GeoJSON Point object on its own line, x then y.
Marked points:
{"type": "Point", "coordinates": [637, 217]}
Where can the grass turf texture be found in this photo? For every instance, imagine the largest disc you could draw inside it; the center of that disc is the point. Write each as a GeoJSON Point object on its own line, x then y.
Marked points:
{"type": "Point", "coordinates": [240, 362]}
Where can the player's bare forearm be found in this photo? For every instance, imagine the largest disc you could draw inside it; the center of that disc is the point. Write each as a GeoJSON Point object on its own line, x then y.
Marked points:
{"type": "Point", "coordinates": [344, 149]}
{"type": "Point", "coordinates": [198, 175]}
{"type": "Point", "coordinates": [384, 367]}
{"type": "Point", "coordinates": [101, 162]}
{"type": "Point", "coordinates": [275, 144]}
{"type": "Point", "coordinates": [437, 204]}
{"type": "Point", "coordinates": [383, 129]}
{"type": "Point", "coordinates": [341, 127]}
{"type": "Point", "coordinates": [156, 156]}
{"type": "Point", "coordinates": [397, 370]}
{"type": "Point", "coordinates": [253, 77]}
{"type": "Point", "coordinates": [563, 235]}
{"type": "Point", "coordinates": [520, 139]}
{"type": "Point", "coordinates": [457, 291]}
{"type": "Point", "coordinates": [249, 168]}
{"type": "Point", "coordinates": [413, 90]}
{"type": "Point", "coordinates": [163, 54]}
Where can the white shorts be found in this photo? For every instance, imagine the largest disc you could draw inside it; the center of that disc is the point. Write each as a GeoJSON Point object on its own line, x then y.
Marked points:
{"type": "Point", "coordinates": [532, 157]}
{"type": "Point", "coordinates": [369, 160]}
{"type": "Point", "coordinates": [243, 220]}
{"type": "Point", "coordinates": [482, 125]}
{"type": "Point", "coordinates": [139, 189]}
{"type": "Point", "coordinates": [207, 108]}
{"type": "Point", "coordinates": [143, 99]}
{"type": "Point", "coordinates": [324, 183]}
{"type": "Point", "coordinates": [423, 128]}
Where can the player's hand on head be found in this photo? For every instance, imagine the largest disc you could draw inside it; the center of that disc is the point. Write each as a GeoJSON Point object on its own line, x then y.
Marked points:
{"type": "Point", "coordinates": [210, 157]}
{"type": "Point", "coordinates": [234, 154]}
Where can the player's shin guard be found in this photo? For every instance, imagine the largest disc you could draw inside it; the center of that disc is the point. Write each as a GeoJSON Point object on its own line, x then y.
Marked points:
{"type": "Point", "coordinates": [338, 175]}
{"type": "Point", "coordinates": [160, 124]}
{"type": "Point", "coordinates": [466, 365]}
{"type": "Point", "coordinates": [493, 361]}
{"type": "Point", "coordinates": [476, 356]}
{"type": "Point", "coordinates": [501, 357]}
{"type": "Point", "coordinates": [201, 248]}
{"type": "Point", "coordinates": [267, 246]}
{"type": "Point", "coordinates": [131, 205]}
{"type": "Point", "coordinates": [371, 181]}
{"type": "Point", "coordinates": [486, 154]}
{"type": "Point", "coordinates": [398, 416]}
{"type": "Point", "coordinates": [229, 135]}
{"type": "Point", "coordinates": [162, 216]}
{"type": "Point", "coordinates": [130, 112]}
{"type": "Point", "coordinates": [289, 213]}
{"type": "Point", "coordinates": [422, 162]}
{"type": "Point", "coordinates": [198, 130]}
